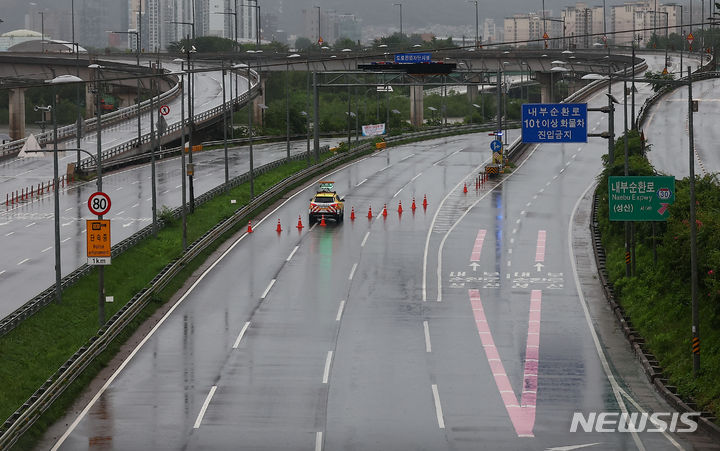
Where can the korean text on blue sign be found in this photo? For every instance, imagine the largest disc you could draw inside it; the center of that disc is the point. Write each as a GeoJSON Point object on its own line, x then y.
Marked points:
{"type": "Point", "coordinates": [412, 58]}
{"type": "Point", "coordinates": [554, 123]}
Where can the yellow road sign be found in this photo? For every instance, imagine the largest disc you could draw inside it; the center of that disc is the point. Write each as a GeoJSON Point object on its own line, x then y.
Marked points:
{"type": "Point", "coordinates": [98, 238]}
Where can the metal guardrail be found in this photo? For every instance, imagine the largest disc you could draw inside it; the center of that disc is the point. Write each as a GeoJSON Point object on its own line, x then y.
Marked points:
{"type": "Point", "coordinates": [87, 164]}
{"type": "Point", "coordinates": [89, 124]}
{"type": "Point", "coordinates": [22, 419]}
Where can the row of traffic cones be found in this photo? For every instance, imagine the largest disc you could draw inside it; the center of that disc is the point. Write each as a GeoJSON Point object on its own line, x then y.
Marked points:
{"type": "Point", "coordinates": [29, 193]}
{"type": "Point", "coordinates": [322, 223]}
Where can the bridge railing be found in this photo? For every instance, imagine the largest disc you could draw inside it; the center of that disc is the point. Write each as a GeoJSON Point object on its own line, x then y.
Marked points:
{"type": "Point", "coordinates": [88, 164]}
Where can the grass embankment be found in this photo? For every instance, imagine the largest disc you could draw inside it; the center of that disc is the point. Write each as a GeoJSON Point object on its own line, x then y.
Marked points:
{"type": "Point", "coordinates": [657, 298]}
{"type": "Point", "coordinates": [40, 345]}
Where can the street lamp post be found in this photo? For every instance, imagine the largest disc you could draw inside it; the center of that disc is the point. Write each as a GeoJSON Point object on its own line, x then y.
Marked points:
{"type": "Point", "coordinates": [400, 5]}
{"type": "Point", "coordinates": [137, 61]}
{"type": "Point", "coordinates": [191, 86]}
{"type": "Point", "coordinates": [61, 79]}
{"type": "Point", "coordinates": [98, 164]}
{"type": "Point", "coordinates": [287, 101]}
{"type": "Point", "coordinates": [182, 151]}
{"type": "Point", "coordinates": [232, 108]}
{"type": "Point", "coordinates": [477, 30]}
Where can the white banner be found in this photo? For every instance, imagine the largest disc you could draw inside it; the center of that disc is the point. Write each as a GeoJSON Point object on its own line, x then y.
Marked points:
{"type": "Point", "coordinates": [373, 129]}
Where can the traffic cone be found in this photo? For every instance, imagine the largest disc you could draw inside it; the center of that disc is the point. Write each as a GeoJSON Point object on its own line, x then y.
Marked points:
{"type": "Point", "coordinates": [299, 226]}
{"type": "Point", "coordinates": [370, 212]}
{"type": "Point", "coordinates": [384, 213]}
{"type": "Point", "coordinates": [425, 201]}
{"type": "Point", "coordinates": [249, 230]}
{"type": "Point", "coordinates": [413, 205]}
{"type": "Point", "coordinates": [352, 213]}
{"type": "Point", "coordinates": [465, 188]}
{"type": "Point", "coordinates": [322, 221]}
{"type": "Point", "coordinates": [400, 207]}
{"type": "Point", "coordinates": [278, 229]}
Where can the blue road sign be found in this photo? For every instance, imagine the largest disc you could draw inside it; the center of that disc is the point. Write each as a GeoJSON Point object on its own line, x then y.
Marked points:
{"type": "Point", "coordinates": [413, 58]}
{"type": "Point", "coordinates": [554, 123]}
{"type": "Point", "coordinates": [496, 145]}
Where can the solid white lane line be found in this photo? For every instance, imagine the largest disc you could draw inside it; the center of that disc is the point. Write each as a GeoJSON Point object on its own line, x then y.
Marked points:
{"type": "Point", "coordinates": [413, 179]}
{"type": "Point", "coordinates": [204, 407]}
{"type": "Point", "coordinates": [292, 253]}
{"type": "Point", "coordinates": [399, 191]}
{"type": "Point", "coordinates": [267, 290]}
{"type": "Point", "coordinates": [318, 441]}
{"type": "Point", "coordinates": [24, 261]}
{"type": "Point", "coordinates": [428, 346]}
{"type": "Point", "coordinates": [365, 239]}
{"type": "Point", "coordinates": [438, 407]}
{"type": "Point", "coordinates": [328, 362]}
{"type": "Point", "coordinates": [364, 180]}
{"type": "Point", "coordinates": [340, 311]}
{"type": "Point", "coordinates": [240, 336]}
{"type": "Point", "coordinates": [352, 271]}
{"type": "Point", "coordinates": [46, 249]}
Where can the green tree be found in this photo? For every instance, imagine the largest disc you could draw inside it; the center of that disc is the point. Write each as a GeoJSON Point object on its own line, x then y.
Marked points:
{"type": "Point", "coordinates": [303, 43]}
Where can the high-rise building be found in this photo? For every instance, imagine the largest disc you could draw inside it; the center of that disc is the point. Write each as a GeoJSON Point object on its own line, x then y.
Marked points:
{"type": "Point", "coordinates": [638, 21]}
{"type": "Point", "coordinates": [583, 25]}
{"type": "Point", "coordinates": [527, 30]}
{"type": "Point", "coordinates": [489, 32]}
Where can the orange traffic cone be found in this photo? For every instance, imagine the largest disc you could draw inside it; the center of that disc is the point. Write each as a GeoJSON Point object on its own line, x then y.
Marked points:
{"type": "Point", "coordinates": [370, 212]}
{"type": "Point", "coordinates": [425, 201]}
{"type": "Point", "coordinates": [299, 226]}
{"type": "Point", "coordinates": [384, 213]}
{"type": "Point", "coordinates": [278, 229]}
{"type": "Point", "coordinates": [250, 230]}
{"type": "Point", "coordinates": [352, 213]}
{"type": "Point", "coordinates": [322, 221]}
{"type": "Point", "coordinates": [413, 205]}
{"type": "Point", "coordinates": [465, 188]}
{"type": "Point", "coordinates": [400, 207]}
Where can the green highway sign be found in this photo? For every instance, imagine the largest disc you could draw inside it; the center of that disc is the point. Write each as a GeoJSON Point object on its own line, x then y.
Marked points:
{"type": "Point", "coordinates": [640, 198]}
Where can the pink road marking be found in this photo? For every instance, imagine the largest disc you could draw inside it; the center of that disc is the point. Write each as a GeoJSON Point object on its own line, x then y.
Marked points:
{"type": "Point", "coordinates": [540, 249]}
{"type": "Point", "coordinates": [477, 249]}
{"type": "Point", "coordinates": [521, 414]}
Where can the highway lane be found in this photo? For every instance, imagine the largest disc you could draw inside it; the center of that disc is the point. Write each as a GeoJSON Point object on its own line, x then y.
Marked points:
{"type": "Point", "coordinates": [27, 230]}
{"type": "Point", "coordinates": [321, 339]}
{"type": "Point", "coordinates": [667, 131]}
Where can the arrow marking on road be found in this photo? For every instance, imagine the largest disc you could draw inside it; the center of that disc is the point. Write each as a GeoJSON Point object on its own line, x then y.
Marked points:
{"type": "Point", "coordinates": [539, 266]}
{"type": "Point", "coordinates": [521, 414]}
{"type": "Point", "coordinates": [474, 265]}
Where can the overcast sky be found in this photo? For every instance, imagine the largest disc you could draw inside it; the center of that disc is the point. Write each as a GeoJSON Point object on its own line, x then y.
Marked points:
{"type": "Point", "coordinates": [417, 14]}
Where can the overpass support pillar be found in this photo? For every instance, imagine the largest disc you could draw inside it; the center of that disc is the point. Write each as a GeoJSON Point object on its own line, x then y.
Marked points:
{"type": "Point", "coordinates": [472, 93]}
{"type": "Point", "coordinates": [545, 78]}
{"type": "Point", "coordinates": [90, 100]}
{"type": "Point", "coordinates": [258, 114]}
{"type": "Point", "coordinates": [416, 106]}
{"type": "Point", "coordinates": [17, 113]}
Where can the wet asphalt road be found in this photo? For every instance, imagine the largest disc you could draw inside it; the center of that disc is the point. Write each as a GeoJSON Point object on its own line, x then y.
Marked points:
{"type": "Point", "coordinates": [667, 131]}
{"type": "Point", "coordinates": [459, 326]}
{"type": "Point", "coordinates": [336, 338]}
{"type": "Point", "coordinates": [27, 230]}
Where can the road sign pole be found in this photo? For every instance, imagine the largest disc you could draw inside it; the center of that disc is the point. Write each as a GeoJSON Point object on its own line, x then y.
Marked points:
{"type": "Point", "coordinates": [625, 130]}
{"type": "Point", "coordinates": [693, 236]}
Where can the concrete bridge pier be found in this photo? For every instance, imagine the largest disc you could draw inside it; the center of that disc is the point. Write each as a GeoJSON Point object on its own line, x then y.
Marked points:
{"type": "Point", "coordinates": [257, 101]}
{"type": "Point", "coordinates": [17, 113]}
{"type": "Point", "coordinates": [416, 106]}
{"type": "Point", "coordinates": [545, 78]}
{"type": "Point", "coordinates": [472, 93]}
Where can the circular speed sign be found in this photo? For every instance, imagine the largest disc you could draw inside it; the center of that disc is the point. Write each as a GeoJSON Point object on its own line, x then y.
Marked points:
{"type": "Point", "coordinates": [99, 203]}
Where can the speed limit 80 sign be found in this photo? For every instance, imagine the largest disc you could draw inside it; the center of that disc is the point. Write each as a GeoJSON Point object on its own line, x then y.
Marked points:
{"type": "Point", "coordinates": [99, 203]}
